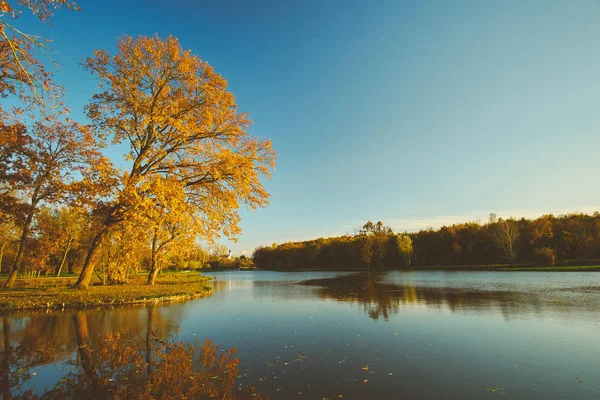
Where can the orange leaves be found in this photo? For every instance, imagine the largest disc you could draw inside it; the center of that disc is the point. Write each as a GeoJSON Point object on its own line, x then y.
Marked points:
{"type": "Point", "coordinates": [42, 8]}
{"type": "Point", "coordinates": [23, 74]}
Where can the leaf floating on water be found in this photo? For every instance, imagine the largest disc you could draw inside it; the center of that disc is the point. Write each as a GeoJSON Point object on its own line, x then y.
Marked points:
{"type": "Point", "coordinates": [390, 374]}
{"type": "Point", "coordinates": [495, 390]}
{"type": "Point", "coordinates": [395, 333]}
{"type": "Point", "coordinates": [366, 367]}
{"type": "Point", "coordinates": [365, 380]}
{"type": "Point", "coordinates": [578, 380]}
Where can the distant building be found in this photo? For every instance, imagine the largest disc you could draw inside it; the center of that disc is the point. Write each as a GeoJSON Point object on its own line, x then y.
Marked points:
{"type": "Point", "coordinates": [226, 256]}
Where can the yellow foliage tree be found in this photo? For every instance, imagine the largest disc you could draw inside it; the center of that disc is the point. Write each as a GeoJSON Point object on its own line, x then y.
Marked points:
{"type": "Point", "coordinates": [168, 220]}
{"type": "Point", "coordinates": [58, 232]}
{"type": "Point", "coordinates": [404, 245]}
{"type": "Point", "coordinates": [181, 124]}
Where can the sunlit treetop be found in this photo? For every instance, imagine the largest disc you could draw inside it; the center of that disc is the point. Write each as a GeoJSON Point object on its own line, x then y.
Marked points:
{"type": "Point", "coordinates": [182, 124]}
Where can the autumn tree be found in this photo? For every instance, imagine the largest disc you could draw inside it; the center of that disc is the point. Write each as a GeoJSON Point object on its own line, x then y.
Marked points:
{"type": "Point", "coordinates": [505, 236]}
{"type": "Point", "coordinates": [170, 219]}
{"type": "Point", "coordinates": [217, 250]}
{"type": "Point", "coordinates": [45, 170]}
{"type": "Point", "coordinates": [181, 123]}
{"type": "Point", "coordinates": [58, 233]}
{"type": "Point", "coordinates": [124, 251]}
{"type": "Point", "coordinates": [373, 240]}
{"type": "Point", "coordinates": [405, 247]}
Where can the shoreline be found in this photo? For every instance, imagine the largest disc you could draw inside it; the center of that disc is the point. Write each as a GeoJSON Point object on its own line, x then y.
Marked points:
{"type": "Point", "coordinates": [65, 298]}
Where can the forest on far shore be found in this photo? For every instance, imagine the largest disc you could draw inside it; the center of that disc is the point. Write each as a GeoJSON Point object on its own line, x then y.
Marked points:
{"type": "Point", "coordinates": [572, 239]}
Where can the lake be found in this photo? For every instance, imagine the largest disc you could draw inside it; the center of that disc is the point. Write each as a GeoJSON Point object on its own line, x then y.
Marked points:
{"type": "Point", "coordinates": [315, 335]}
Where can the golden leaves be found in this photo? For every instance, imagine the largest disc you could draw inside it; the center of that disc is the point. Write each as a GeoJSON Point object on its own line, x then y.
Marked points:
{"type": "Point", "coordinates": [182, 126]}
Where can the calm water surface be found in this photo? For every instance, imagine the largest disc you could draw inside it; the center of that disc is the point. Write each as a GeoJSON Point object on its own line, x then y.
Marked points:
{"type": "Point", "coordinates": [315, 335]}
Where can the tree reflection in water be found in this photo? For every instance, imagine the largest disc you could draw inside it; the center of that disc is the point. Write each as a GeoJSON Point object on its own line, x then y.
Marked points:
{"type": "Point", "coordinates": [381, 298]}
{"type": "Point", "coordinates": [117, 366]}
{"type": "Point", "coordinates": [378, 299]}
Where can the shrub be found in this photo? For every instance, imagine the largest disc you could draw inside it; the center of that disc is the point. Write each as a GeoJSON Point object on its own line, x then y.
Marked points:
{"type": "Point", "coordinates": [544, 257]}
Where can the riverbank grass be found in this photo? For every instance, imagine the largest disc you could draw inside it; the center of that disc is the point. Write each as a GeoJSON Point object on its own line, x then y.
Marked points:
{"type": "Point", "coordinates": [30, 296]}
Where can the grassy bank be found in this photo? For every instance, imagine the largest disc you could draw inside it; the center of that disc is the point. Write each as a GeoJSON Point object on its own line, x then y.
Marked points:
{"type": "Point", "coordinates": [34, 295]}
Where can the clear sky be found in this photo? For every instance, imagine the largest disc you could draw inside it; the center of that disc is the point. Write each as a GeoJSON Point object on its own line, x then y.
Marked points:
{"type": "Point", "coordinates": [414, 113]}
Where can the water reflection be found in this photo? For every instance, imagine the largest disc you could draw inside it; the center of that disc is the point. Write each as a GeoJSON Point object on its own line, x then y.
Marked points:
{"type": "Point", "coordinates": [309, 333]}
{"type": "Point", "coordinates": [382, 296]}
{"type": "Point", "coordinates": [126, 353]}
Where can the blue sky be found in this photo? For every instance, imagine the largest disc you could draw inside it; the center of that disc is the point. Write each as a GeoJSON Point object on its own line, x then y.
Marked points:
{"type": "Point", "coordinates": [414, 113]}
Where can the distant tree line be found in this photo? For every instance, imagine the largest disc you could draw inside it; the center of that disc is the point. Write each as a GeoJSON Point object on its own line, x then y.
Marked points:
{"type": "Point", "coordinates": [545, 241]}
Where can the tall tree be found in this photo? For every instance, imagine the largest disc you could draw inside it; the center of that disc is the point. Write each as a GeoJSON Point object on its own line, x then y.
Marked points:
{"type": "Point", "coordinates": [405, 247]}
{"type": "Point", "coordinates": [180, 123]}
{"type": "Point", "coordinates": [58, 232]}
{"type": "Point", "coordinates": [505, 235]}
{"type": "Point", "coordinates": [373, 240]}
{"type": "Point", "coordinates": [45, 170]}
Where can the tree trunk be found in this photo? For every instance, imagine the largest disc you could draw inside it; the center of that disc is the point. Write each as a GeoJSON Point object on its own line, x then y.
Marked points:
{"type": "Point", "coordinates": [154, 265]}
{"type": "Point", "coordinates": [62, 263]}
{"type": "Point", "coordinates": [1, 256]}
{"type": "Point", "coordinates": [70, 266]}
{"type": "Point", "coordinates": [19, 258]}
{"type": "Point", "coordinates": [87, 271]}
